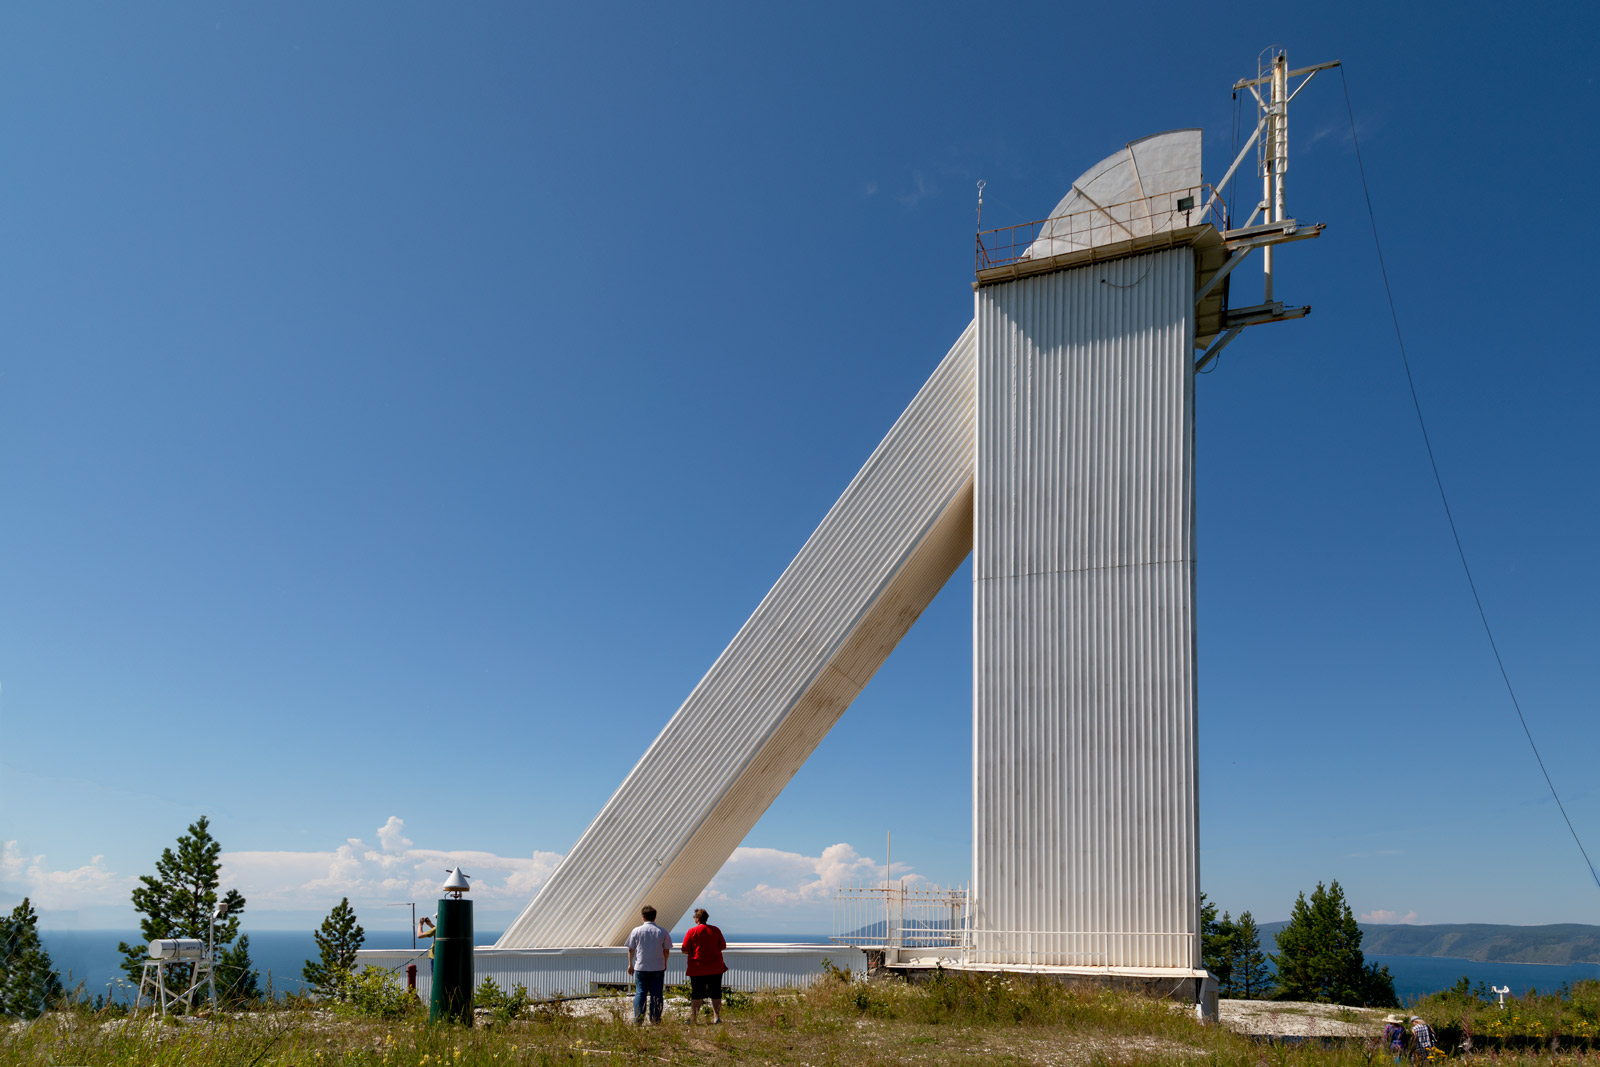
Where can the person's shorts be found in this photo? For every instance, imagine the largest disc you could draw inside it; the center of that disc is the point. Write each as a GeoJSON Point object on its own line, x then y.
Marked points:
{"type": "Point", "coordinates": [705, 987]}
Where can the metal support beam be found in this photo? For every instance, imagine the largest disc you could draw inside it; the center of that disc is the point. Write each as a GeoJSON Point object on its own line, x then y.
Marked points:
{"type": "Point", "coordinates": [1260, 314]}
{"type": "Point", "coordinates": [1216, 348]}
{"type": "Point", "coordinates": [1216, 190]}
{"type": "Point", "coordinates": [1248, 82]}
{"type": "Point", "coordinates": [1242, 242]}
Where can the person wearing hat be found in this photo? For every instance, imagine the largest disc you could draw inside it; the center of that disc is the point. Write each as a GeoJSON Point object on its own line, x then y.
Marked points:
{"type": "Point", "coordinates": [1394, 1036]}
{"type": "Point", "coordinates": [1424, 1036]}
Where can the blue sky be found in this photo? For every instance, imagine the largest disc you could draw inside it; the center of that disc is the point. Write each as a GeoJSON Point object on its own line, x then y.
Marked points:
{"type": "Point", "coordinates": [401, 407]}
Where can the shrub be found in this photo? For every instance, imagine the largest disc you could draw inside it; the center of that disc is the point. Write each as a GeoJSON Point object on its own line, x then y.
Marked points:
{"type": "Point", "coordinates": [500, 1004]}
{"type": "Point", "coordinates": [376, 993]}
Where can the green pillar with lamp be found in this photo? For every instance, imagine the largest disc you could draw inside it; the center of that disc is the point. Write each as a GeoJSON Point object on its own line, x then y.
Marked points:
{"type": "Point", "coordinates": [451, 996]}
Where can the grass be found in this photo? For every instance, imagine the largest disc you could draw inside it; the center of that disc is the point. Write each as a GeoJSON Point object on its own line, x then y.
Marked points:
{"type": "Point", "coordinates": [956, 1019]}
{"type": "Point", "coordinates": [1568, 1018]}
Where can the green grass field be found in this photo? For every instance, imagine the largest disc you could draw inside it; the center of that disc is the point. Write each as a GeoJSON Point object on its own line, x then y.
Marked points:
{"type": "Point", "coordinates": [953, 1020]}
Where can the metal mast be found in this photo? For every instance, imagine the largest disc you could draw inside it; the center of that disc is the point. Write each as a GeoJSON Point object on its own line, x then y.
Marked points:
{"type": "Point", "coordinates": [1272, 127]}
{"type": "Point", "coordinates": [1270, 223]}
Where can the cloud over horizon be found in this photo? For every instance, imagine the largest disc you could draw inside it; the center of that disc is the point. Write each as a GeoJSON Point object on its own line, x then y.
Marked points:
{"type": "Point", "coordinates": [87, 886]}
{"type": "Point", "coordinates": [1384, 915]}
{"type": "Point", "coordinates": [757, 889]}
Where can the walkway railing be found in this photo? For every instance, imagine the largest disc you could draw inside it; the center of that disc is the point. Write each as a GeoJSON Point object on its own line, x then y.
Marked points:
{"type": "Point", "coordinates": [1097, 225]}
{"type": "Point", "coordinates": [894, 915]}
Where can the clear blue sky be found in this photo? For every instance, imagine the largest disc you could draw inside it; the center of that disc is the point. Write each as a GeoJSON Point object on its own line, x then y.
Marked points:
{"type": "Point", "coordinates": [402, 406]}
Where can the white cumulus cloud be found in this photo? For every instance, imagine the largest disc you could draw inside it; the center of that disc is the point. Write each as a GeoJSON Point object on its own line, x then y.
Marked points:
{"type": "Point", "coordinates": [1384, 915]}
{"type": "Point", "coordinates": [91, 885]}
{"type": "Point", "coordinates": [757, 890]}
{"type": "Point", "coordinates": [757, 877]}
{"type": "Point", "coordinates": [393, 870]}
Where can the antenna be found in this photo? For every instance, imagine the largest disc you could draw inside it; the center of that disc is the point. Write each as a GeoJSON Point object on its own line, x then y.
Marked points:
{"type": "Point", "coordinates": [1270, 139]}
{"type": "Point", "coordinates": [1272, 128]}
{"type": "Point", "coordinates": [981, 184]}
{"type": "Point", "coordinates": [456, 882]}
{"type": "Point", "coordinates": [413, 906]}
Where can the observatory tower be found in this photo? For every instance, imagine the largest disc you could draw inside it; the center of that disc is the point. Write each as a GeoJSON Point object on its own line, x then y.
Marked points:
{"type": "Point", "coordinates": [1055, 444]}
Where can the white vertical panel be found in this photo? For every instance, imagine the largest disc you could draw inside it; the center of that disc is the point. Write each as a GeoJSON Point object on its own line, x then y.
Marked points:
{"type": "Point", "coordinates": [882, 552]}
{"type": "Point", "coordinates": [1085, 849]}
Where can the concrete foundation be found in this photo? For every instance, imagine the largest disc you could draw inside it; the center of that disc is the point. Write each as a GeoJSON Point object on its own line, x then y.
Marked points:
{"type": "Point", "coordinates": [1186, 987]}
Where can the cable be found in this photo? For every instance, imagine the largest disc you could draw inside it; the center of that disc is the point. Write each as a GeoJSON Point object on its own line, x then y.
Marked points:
{"type": "Point", "coordinates": [1233, 153]}
{"type": "Point", "coordinates": [1483, 616]}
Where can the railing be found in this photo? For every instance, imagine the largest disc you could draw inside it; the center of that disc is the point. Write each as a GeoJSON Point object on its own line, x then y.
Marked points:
{"type": "Point", "coordinates": [1094, 226]}
{"type": "Point", "coordinates": [938, 922]}
{"type": "Point", "coordinates": [1083, 948]}
{"type": "Point", "coordinates": [894, 916]}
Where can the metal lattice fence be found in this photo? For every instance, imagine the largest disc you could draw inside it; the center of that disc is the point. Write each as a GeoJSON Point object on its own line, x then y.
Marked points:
{"type": "Point", "coordinates": [896, 916]}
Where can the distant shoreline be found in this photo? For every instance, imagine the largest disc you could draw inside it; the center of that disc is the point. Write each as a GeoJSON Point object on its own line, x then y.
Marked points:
{"type": "Point", "coordinates": [1545, 945]}
{"type": "Point", "coordinates": [1480, 963]}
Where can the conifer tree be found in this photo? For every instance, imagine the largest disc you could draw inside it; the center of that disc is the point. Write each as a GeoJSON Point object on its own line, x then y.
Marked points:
{"type": "Point", "coordinates": [238, 983]}
{"type": "Point", "coordinates": [1217, 945]}
{"type": "Point", "coordinates": [1252, 977]}
{"type": "Point", "coordinates": [1319, 955]}
{"type": "Point", "coordinates": [29, 984]}
{"type": "Point", "coordinates": [337, 941]}
{"type": "Point", "coordinates": [178, 900]}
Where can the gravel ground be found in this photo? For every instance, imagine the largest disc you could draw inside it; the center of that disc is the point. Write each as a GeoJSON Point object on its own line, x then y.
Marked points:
{"type": "Point", "coordinates": [1290, 1018]}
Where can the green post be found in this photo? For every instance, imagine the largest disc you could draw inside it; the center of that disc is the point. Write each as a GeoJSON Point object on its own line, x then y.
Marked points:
{"type": "Point", "coordinates": [452, 963]}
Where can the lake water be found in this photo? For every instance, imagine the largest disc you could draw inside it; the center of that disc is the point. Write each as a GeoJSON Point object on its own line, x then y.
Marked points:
{"type": "Point", "coordinates": [91, 958]}
{"type": "Point", "coordinates": [1417, 976]}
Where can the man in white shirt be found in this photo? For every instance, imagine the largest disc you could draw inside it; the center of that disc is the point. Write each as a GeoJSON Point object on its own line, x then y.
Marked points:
{"type": "Point", "coordinates": [648, 946]}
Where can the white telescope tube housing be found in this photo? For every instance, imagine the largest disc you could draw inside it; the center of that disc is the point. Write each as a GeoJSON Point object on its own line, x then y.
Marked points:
{"type": "Point", "coordinates": [177, 948]}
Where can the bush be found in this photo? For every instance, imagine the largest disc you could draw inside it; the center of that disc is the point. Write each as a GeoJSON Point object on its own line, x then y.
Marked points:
{"type": "Point", "coordinates": [375, 993]}
{"type": "Point", "coordinates": [965, 998]}
{"type": "Point", "coordinates": [500, 1004]}
{"type": "Point", "coordinates": [1568, 1019]}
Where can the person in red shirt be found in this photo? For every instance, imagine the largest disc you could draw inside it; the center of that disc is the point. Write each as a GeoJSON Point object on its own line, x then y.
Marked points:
{"type": "Point", "coordinates": [702, 949]}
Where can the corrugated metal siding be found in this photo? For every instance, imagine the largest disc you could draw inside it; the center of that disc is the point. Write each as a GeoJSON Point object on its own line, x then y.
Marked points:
{"type": "Point", "coordinates": [884, 549]}
{"type": "Point", "coordinates": [1085, 842]}
{"type": "Point", "coordinates": [551, 973]}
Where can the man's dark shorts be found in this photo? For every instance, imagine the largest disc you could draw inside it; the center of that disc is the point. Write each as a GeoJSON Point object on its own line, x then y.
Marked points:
{"type": "Point", "coordinates": [705, 987]}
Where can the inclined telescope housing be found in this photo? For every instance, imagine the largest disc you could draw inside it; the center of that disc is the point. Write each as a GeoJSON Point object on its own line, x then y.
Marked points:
{"type": "Point", "coordinates": [177, 948]}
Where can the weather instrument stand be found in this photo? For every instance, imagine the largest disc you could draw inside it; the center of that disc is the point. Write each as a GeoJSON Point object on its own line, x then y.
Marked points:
{"type": "Point", "coordinates": [175, 952]}
{"type": "Point", "coordinates": [191, 952]}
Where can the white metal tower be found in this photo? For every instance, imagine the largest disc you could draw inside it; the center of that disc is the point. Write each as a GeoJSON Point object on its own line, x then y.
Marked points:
{"type": "Point", "coordinates": [1054, 442]}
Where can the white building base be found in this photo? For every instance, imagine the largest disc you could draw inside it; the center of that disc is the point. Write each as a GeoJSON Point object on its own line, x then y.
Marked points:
{"type": "Point", "coordinates": [1182, 984]}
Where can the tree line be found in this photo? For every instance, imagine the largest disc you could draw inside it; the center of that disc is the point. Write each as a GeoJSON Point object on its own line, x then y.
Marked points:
{"type": "Point", "coordinates": [178, 901]}
{"type": "Point", "coordinates": [1319, 955]}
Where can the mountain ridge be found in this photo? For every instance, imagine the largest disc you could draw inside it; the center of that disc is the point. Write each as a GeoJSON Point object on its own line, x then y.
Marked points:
{"type": "Point", "coordinates": [1481, 942]}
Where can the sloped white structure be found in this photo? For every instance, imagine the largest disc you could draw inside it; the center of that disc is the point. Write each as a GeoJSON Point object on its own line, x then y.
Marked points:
{"type": "Point", "coordinates": [883, 551]}
{"type": "Point", "coordinates": [1060, 429]}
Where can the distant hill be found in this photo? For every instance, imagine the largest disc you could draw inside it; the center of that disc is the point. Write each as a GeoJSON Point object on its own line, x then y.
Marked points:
{"type": "Point", "coordinates": [1484, 942]}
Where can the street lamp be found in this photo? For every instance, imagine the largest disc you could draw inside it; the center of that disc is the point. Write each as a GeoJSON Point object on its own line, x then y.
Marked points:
{"type": "Point", "coordinates": [218, 912]}
{"type": "Point", "coordinates": [413, 906]}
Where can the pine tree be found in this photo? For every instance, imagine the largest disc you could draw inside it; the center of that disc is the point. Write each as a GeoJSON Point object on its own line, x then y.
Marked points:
{"type": "Point", "coordinates": [1217, 945]}
{"type": "Point", "coordinates": [338, 941]}
{"type": "Point", "coordinates": [29, 984]}
{"type": "Point", "coordinates": [1319, 955]}
{"type": "Point", "coordinates": [1252, 976]}
{"type": "Point", "coordinates": [237, 980]}
{"type": "Point", "coordinates": [178, 900]}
